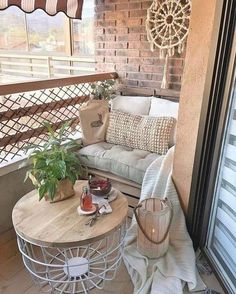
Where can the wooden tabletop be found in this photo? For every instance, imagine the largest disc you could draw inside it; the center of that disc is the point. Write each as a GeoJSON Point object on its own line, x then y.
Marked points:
{"type": "Point", "coordinates": [59, 225]}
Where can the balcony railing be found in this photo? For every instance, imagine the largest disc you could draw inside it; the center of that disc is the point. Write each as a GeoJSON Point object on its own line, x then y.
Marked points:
{"type": "Point", "coordinates": [25, 106]}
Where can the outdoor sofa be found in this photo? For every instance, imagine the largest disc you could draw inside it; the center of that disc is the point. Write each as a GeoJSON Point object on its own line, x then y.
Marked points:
{"type": "Point", "coordinates": [124, 165]}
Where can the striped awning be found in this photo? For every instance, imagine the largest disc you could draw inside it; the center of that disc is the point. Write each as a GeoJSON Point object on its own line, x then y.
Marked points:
{"type": "Point", "coordinates": [72, 8]}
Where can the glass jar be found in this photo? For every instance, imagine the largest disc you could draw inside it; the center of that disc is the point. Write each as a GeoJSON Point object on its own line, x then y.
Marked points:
{"type": "Point", "coordinates": [86, 203]}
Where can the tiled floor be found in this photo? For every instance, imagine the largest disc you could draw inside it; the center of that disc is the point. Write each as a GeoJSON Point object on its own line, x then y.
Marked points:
{"type": "Point", "coordinates": [14, 279]}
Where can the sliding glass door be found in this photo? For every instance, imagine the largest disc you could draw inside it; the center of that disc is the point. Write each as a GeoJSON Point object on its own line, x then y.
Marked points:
{"type": "Point", "coordinates": [212, 206]}
{"type": "Point", "coordinates": [221, 237]}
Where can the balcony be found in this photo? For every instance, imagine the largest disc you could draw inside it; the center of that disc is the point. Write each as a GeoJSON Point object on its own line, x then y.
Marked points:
{"type": "Point", "coordinates": [24, 107]}
{"type": "Point", "coordinates": [52, 87]}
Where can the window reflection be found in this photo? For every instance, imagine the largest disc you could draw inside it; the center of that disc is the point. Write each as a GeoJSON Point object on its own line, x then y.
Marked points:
{"type": "Point", "coordinates": [40, 33]}
{"type": "Point", "coordinates": [13, 31]}
{"type": "Point", "coordinates": [46, 33]}
{"type": "Point", "coordinates": [83, 31]}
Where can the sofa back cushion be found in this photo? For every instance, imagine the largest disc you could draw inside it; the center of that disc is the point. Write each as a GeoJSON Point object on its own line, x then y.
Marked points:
{"type": "Point", "coordinates": [140, 132]}
{"type": "Point", "coordinates": [162, 107]}
{"type": "Point", "coordinates": [132, 104]}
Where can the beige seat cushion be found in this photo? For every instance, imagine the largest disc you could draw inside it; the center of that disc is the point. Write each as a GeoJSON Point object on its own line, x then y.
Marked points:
{"type": "Point", "coordinates": [122, 161]}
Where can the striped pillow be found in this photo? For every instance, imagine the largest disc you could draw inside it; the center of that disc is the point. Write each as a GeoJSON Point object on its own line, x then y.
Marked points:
{"type": "Point", "coordinates": [140, 132]}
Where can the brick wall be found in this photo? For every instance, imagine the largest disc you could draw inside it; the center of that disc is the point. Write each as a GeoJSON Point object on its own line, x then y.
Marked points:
{"type": "Point", "coordinates": [122, 46]}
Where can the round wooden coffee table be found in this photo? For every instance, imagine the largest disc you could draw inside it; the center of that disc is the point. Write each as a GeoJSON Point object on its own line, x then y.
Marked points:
{"type": "Point", "coordinates": [61, 252]}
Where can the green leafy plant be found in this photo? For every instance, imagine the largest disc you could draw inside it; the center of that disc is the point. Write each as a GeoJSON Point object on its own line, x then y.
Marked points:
{"type": "Point", "coordinates": [53, 162]}
{"type": "Point", "coordinates": [104, 90]}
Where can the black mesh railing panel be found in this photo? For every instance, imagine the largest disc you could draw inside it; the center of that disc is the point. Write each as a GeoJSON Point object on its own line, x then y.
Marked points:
{"type": "Point", "coordinates": [22, 116]}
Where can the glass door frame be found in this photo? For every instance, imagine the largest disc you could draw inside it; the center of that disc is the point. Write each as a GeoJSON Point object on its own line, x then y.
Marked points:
{"type": "Point", "coordinates": [221, 138]}
{"type": "Point", "coordinates": [211, 134]}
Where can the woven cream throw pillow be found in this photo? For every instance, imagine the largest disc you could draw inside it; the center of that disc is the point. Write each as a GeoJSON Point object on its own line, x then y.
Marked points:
{"type": "Point", "coordinates": [140, 132]}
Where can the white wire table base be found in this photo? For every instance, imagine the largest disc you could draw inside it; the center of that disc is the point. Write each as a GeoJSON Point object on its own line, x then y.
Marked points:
{"type": "Point", "coordinates": [77, 269]}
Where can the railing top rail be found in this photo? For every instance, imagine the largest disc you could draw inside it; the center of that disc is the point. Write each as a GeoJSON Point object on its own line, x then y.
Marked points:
{"type": "Point", "coordinates": [73, 58]}
{"type": "Point", "coordinates": [45, 57]}
{"type": "Point", "coordinates": [21, 56]}
{"type": "Point", "coordinates": [8, 89]}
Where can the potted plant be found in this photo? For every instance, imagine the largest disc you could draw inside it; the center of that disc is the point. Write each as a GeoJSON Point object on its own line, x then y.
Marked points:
{"type": "Point", "coordinates": [104, 90]}
{"type": "Point", "coordinates": [55, 167]}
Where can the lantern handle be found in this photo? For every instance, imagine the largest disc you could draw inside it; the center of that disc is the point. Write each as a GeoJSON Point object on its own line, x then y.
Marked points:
{"type": "Point", "coordinates": [142, 229]}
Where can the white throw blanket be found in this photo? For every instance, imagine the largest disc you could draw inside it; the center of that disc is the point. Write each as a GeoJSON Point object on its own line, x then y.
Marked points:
{"type": "Point", "coordinates": [167, 274]}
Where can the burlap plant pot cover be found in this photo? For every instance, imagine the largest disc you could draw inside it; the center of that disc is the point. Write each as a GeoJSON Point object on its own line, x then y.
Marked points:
{"type": "Point", "coordinates": [94, 116]}
{"type": "Point", "coordinates": [65, 190]}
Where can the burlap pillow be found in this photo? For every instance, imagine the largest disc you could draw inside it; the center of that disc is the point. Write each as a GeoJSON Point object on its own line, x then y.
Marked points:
{"type": "Point", "coordinates": [140, 132]}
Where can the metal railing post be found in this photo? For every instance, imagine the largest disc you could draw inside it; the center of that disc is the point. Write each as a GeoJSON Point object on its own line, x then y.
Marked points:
{"type": "Point", "coordinates": [49, 66]}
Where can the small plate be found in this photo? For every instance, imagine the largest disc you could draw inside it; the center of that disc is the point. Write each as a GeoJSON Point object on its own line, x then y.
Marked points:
{"type": "Point", "coordinates": [112, 195]}
{"type": "Point", "coordinates": [109, 197]}
{"type": "Point", "coordinates": [82, 212]}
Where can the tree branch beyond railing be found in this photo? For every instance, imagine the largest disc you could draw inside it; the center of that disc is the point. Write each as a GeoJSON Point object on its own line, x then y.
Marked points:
{"type": "Point", "coordinates": [25, 106]}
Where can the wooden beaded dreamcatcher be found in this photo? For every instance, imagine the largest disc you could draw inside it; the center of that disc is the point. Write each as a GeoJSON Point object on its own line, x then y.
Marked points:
{"type": "Point", "coordinates": [167, 27]}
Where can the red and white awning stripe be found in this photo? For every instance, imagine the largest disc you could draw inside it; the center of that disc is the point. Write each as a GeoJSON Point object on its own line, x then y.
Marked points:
{"type": "Point", "coordinates": [72, 8]}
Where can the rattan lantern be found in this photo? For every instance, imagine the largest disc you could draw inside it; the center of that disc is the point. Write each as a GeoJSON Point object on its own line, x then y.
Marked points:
{"type": "Point", "coordinates": [154, 218]}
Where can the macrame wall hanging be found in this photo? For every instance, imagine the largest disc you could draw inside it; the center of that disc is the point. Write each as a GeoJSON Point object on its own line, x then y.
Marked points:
{"type": "Point", "coordinates": [167, 27]}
